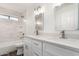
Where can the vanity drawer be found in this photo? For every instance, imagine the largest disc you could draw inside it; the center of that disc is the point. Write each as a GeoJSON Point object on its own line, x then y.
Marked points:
{"type": "Point", "coordinates": [37, 44]}
{"type": "Point", "coordinates": [27, 50]}
{"type": "Point", "coordinates": [27, 40]}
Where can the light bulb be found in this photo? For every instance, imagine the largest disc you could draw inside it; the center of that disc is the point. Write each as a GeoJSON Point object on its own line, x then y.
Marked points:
{"type": "Point", "coordinates": [57, 4]}
{"type": "Point", "coordinates": [42, 10]}
{"type": "Point", "coordinates": [36, 12]}
{"type": "Point", "coordinates": [39, 10]}
{"type": "Point", "coordinates": [38, 22]}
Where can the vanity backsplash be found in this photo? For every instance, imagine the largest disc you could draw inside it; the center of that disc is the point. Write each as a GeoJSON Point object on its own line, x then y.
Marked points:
{"type": "Point", "coordinates": [72, 34]}
{"type": "Point", "coordinates": [68, 34]}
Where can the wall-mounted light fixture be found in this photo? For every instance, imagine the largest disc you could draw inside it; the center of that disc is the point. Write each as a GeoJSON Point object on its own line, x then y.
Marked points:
{"type": "Point", "coordinates": [39, 10]}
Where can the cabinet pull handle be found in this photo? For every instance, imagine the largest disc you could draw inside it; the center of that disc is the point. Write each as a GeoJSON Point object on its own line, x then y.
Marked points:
{"type": "Point", "coordinates": [36, 54]}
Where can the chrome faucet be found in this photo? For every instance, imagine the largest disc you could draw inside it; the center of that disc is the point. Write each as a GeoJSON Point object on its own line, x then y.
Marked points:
{"type": "Point", "coordinates": [36, 32]}
{"type": "Point", "coordinates": [62, 34]}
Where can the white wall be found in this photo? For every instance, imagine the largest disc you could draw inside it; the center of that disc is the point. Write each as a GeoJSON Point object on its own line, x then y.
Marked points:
{"type": "Point", "coordinates": [29, 21]}
{"type": "Point", "coordinates": [49, 20]}
{"type": "Point", "coordinates": [8, 31]}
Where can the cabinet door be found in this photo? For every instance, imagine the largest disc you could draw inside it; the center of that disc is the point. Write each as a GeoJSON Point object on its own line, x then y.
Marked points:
{"type": "Point", "coordinates": [27, 47]}
{"type": "Point", "coordinates": [67, 17]}
{"type": "Point", "coordinates": [58, 50]}
{"type": "Point", "coordinates": [27, 50]}
{"type": "Point", "coordinates": [46, 53]}
{"type": "Point", "coordinates": [37, 48]}
{"type": "Point", "coordinates": [32, 47]}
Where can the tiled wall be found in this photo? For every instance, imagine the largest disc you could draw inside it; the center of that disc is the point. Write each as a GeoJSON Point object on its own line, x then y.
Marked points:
{"type": "Point", "coordinates": [8, 31]}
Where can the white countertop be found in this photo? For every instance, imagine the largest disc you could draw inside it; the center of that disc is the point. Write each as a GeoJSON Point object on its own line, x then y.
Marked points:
{"type": "Point", "coordinates": [6, 47]}
{"type": "Point", "coordinates": [74, 43]}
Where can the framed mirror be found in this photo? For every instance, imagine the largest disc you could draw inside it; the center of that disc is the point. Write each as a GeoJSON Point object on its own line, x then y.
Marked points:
{"type": "Point", "coordinates": [66, 16]}
{"type": "Point", "coordinates": [39, 20]}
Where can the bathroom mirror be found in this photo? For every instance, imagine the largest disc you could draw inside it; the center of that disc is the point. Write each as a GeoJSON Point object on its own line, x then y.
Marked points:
{"type": "Point", "coordinates": [39, 21]}
{"type": "Point", "coordinates": [66, 16]}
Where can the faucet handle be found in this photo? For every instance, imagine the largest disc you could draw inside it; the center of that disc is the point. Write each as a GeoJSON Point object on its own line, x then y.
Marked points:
{"type": "Point", "coordinates": [62, 33]}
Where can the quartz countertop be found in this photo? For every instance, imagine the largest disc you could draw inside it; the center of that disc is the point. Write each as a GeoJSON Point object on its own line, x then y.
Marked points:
{"type": "Point", "coordinates": [74, 43]}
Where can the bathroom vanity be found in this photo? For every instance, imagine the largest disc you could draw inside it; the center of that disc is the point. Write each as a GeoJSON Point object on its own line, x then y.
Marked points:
{"type": "Point", "coordinates": [50, 46]}
{"type": "Point", "coordinates": [66, 18]}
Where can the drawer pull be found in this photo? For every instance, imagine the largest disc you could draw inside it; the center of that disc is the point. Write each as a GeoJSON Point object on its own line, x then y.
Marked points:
{"type": "Point", "coordinates": [36, 54]}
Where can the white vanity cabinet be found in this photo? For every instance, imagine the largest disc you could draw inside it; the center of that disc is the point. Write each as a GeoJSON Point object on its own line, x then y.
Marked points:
{"type": "Point", "coordinates": [27, 47]}
{"type": "Point", "coordinates": [66, 16]}
{"type": "Point", "coordinates": [36, 47]}
{"type": "Point", "coordinates": [32, 47]}
{"type": "Point", "coordinates": [51, 49]}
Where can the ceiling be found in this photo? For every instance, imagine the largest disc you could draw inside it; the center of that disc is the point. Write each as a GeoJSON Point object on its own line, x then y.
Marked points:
{"type": "Point", "coordinates": [19, 7]}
